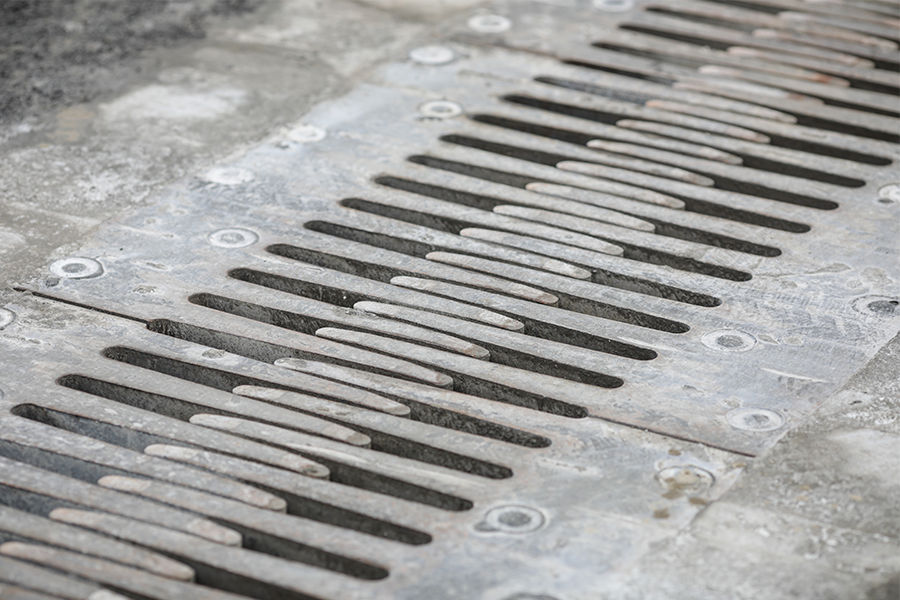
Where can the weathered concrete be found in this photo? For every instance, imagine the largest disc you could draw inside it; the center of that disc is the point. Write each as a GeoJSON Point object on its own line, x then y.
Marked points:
{"type": "Point", "coordinates": [816, 517]}
{"type": "Point", "coordinates": [136, 100]}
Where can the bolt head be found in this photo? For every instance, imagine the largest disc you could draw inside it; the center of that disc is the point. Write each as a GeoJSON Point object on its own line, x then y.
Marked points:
{"type": "Point", "coordinates": [514, 519]}
{"type": "Point", "coordinates": [232, 237]}
{"type": "Point", "coordinates": [229, 176]}
{"type": "Point", "coordinates": [729, 340]}
{"type": "Point", "coordinates": [750, 418]}
{"type": "Point", "coordinates": [441, 109]}
{"type": "Point", "coordinates": [76, 267]}
{"type": "Point", "coordinates": [489, 23]}
{"type": "Point", "coordinates": [432, 55]}
{"type": "Point", "coordinates": [306, 134]}
{"type": "Point", "coordinates": [614, 5]}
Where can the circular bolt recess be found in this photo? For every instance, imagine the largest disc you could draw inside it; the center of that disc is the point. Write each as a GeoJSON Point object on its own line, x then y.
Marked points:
{"type": "Point", "coordinates": [614, 5]}
{"type": "Point", "coordinates": [76, 268]}
{"type": "Point", "coordinates": [6, 317]}
{"type": "Point", "coordinates": [750, 418]}
{"type": "Point", "coordinates": [686, 480]}
{"type": "Point", "coordinates": [489, 23]}
{"type": "Point", "coordinates": [729, 340]}
{"type": "Point", "coordinates": [229, 175]}
{"type": "Point", "coordinates": [441, 109]}
{"type": "Point", "coordinates": [233, 237]}
{"type": "Point", "coordinates": [306, 134]}
{"type": "Point", "coordinates": [432, 55]}
{"type": "Point", "coordinates": [514, 519]}
{"type": "Point", "coordinates": [889, 194]}
{"type": "Point", "coordinates": [880, 306]}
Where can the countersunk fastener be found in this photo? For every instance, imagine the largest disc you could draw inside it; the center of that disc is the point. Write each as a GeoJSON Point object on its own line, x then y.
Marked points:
{"type": "Point", "coordinates": [432, 55]}
{"type": "Point", "coordinates": [6, 318]}
{"type": "Point", "coordinates": [751, 418]}
{"type": "Point", "coordinates": [889, 194]}
{"type": "Point", "coordinates": [229, 175]}
{"type": "Point", "coordinates": [513, 519]}
{"type": "Point", "coordinates": [880, 306]}
{"type": "Point", "coordinates": [614, 5]}
{"type": "Point", "coordinates": [685, 480]}
{"type": "Point", "coordinates": [489, 23]}
{"type": "Point", "coordinates": [76, 267]}
{"type": "Point", "coordinates": [441, 109]}
{"type": "Point", "coordinates": [232, 237]}
{"type": "Point", "coordinates": [306, 134]}
{"type": "Point", "coordinates": [729, 340]}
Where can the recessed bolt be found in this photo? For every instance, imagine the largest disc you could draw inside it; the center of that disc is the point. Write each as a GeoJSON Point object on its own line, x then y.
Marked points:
{"type": "Point", "coordinates": [750, 418]}
{"type": "Point", "coordinates": [614, 5]}
{"type": "Point", "coordinates": [889, 194]}
{"type": "Point", "coordinates": [441, 109]}
{"type": "Point", "coordinates": [76, 268]}
{"type": "Point", "coordinates": [489, 23]}
{"type": "Point", "coordinates": [306, 134]}
{"type": "Point", "coordinates": [233, 237]}
{"type": "Point", "coordinates": [6, 317]}
{"type": "Point", "coordinates": [513, 519]}
{"type": "Point", "coordinates": [229, 175]}
{"type": "Point", "coordinates": [432, 55]}
{"type": "Point", "coordinates": [685, 480]}
{"type": "Point", "coordinates": [729, 340]}
{"type": "Point", "coordinates": [880, 306]}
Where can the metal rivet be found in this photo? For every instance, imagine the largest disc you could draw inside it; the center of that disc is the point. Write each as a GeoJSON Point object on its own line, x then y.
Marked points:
{"type": "Point", "coordinates": [229, 175]}
{"type": "Point", "coordinates": [432, 55]}
{"type": "Point", "coordinates": [76, 268]}
{"type": "Point", "coordinates": [514, 519]}
{"type": "Point", "coordinates": [489, 23]}
{"type": "Point", "coordinates": [306, 134]}
{"type": "Point", "coordinates": [685, 480]}
{"type": "Point", "coordinates": [750, 418]}
{"type": "Point", "coordinates": [889, 194]}
{"type": "Point", "coordinates": [441, 109]}
{"type": "Point", "coordinates": [880, 306]}
{"type": "Point", "coordinates": [729, 340]}
{"type": "Point", "coordinates": [6, 317]}
{"type": "Point", "coordinates": [614, 5]}
{"type": "Point", "coordinates": [233, 237]}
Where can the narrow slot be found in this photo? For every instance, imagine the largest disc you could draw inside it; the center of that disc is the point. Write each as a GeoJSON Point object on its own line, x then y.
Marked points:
{"type": "Point", "coordinates": [46, 460]}
{"type": "Point", "coordinates": [722, 183]}
{"type": "Point", "coordinates": [137, 441]}
{"type": "Point", "coordinates": [887, 65]}
{"type": "Point", "coordinates": [533, 327]}
{"type": "Point", "coordinates": [340, 473]}
{"type": "Point", "coordinates": [419, 249]}
{"type": "Point", "coordinates": [499, 355]}
{"type": "Point", "coordinates": [227, 381]}
{"type": "Point", "coordinates": [268, 352]}
{"type": "Point", "coordinates": [631, 251]}
{"type": "Point", "coordinates": [749, 161]}
{"type": "Point", "coordinates": [774, 140]}
{"type": "Point", "coordinates": [252, 539]}
{"type": "Point", "coordinates": [705, 19]}
{"type": "Point", "coordinates": [695, 63]}
{"type": "Point", "coordinates": [691, 205]}
{"type": "Point", "coordinates": [466, 384]}
{"type": "Point", "coordinates": [566, 301]}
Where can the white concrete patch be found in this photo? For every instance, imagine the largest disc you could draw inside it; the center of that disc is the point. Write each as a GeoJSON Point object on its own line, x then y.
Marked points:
{"type": "Point", "coordinates": [174, 103]}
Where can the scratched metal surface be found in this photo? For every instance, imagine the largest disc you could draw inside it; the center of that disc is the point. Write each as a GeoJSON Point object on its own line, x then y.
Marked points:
{"type": "Point", "coordinates": [490, 325]}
